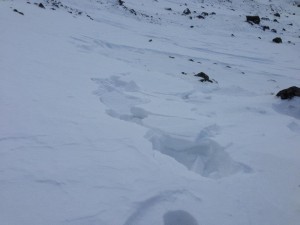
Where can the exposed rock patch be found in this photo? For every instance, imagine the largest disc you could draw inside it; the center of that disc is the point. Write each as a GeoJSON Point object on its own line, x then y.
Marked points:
{"type": "Point", "coordinates": [289, 93]}
{"type": "Point", "coordinates": [253, 19]}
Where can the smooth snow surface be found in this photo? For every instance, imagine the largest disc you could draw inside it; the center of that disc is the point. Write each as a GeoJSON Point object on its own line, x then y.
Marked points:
{"type": "Point", "coordinates": [104, 123]}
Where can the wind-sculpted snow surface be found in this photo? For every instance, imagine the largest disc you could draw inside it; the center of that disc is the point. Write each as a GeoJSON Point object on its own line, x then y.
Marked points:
{"type": "Point", "coordinates": [203, 156]}
{"type": "Point", "coordinates": [103, 121]}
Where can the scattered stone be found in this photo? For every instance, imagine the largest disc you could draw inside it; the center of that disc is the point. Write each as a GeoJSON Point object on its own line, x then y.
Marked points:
{"type": "Point", "coordinates": [121, 2]}
{"type": "Point", "coordinates": [150, 40]}
{"type": "Point", "coordinates": [41, 6]}
{"type": "Point", "coordinates": [213, 13]}
{"type": "Point", "coordinates": [183, 73]}
{"type": "Point", "coordinates": [283, 29]}
{"type": "Point", "coordinates": [171, 57]}
{"type": "Point", "coordinates": [253, 19]}
{"type": "Point", "coordinates": [89, 17]}
{"type": "Point", "coordinates": [187, 11]}
{"type": "Point", "coordinates": [191, 26]}
{"type": "Point", "coordinates": [274, 30]}
{"type": "Point", "coordinates": [169, 9]}
{"type": "Point", "coordinates": [191, 60]}
{"type": "Point", "coordinates": [15, 10]}
{"type": "Point", "coordinates": [132, 11]}
{"type": "Point", "coordinates": [265, 28]}
{"type": "Point", "coordinates": [232, 35]}
{"type": "Point", "coordinates": [289, 93]}
{"type": "Point", "coordinates": [265, 18]}
{"type": "Point", "coordinates": [277, 40]}
{"type": "Point", "coordinates": [200, 17]}
{"type": "Point", "coordinates": [259, 37]}
{"type": "Point", "coordinates": [204, 76]}
{"type": "Point", "coordinates": [277, 14]}
{"type": "Point", "coordinates": [290, 24]}
{"type": "Point", "coordinates": [204, 14]}
{"type": "Point", "coordinates": [276, 21]}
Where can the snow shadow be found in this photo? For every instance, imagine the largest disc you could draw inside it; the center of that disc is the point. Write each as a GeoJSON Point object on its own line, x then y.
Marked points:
{"type": "Point", "coordinates": [179, 217]}
{"type": "Point", "coordinates": [288, 107]}
{"type": "Point", "coordinates": [154, 209]}
{"type": "Point", "coordinates": [203, 156]}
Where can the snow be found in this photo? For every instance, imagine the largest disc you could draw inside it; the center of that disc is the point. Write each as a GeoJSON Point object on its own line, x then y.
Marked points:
{"type": "Point", "coordinates": [99, 125]}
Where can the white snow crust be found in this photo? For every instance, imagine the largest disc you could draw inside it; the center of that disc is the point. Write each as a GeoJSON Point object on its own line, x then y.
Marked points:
{"type": "Point", "coordinates": [102, 121]}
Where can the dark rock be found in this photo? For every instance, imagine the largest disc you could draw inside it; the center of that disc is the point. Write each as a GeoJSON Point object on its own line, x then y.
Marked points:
{"type": "Point", "coordinates": [283, 29]}
{"type": "Point", "coordinates": [259, 37]}
{"type": "Point", "coordinates": [277, 14]}
{"type": "Point", "coordinates": [265, 28]}
{"type": "Point", "coordinates": [232, 35]}
{"type": "Point", "coordinates": [191, 26]}
{"type": "Point", "coordinates": [204, 76]}
{"type": "Point", "coordinates": [277, 40]}
{"type": "Point", "coordinates": [191, 60]}
{"type": "Point", "coordinates": [204, 14]}
{"type": "Point", "coordinates": [169, 9]}
{"type": "Point", "coordinates": [121, 2]}
{"type": "Point", "coordinates": [187, 11]}
{"type": "Point", "coordinates": [41, 6]}
{"type": "Point", "coordinates": [213, 13]}
{"type": "Point", "coordinates": [290, 24]}
{"type": "Point", "coordinates": [289, 93]}
{"type": "Point", "coordinates": [200, 17]}
{"type": "Point", "coordinates": [171, 57]}
{"type": "Point", "coordinates": [274, 30]}
{"type": "Point", "coordinates": [276, 21]}
{"type": "Point", "coordinates": [15, 10]}
{"type": "Point", "coordinates": [183, 73]}
{"type": "Point", "coordinates": [132, 11]}
{"type": "Point", "coordinates": [150, 40]}
{"type": "Point", "coordinates": [253, 19]}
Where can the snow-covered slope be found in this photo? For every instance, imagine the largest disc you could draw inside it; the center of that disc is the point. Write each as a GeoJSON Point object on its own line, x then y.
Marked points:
{"type": "Point", "coordinates": [103, 121]}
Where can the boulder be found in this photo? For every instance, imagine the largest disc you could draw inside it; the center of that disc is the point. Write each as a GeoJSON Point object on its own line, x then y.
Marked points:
{"type": "Point", "coordinates": [204, 77]}
{"type": "Point", "coordinates": [277, 14]}
{"type": "Point", "coordinates": [253, 19]}
{"type": "Point", "coordinates": [289, 93]}
{"type": "Point", "coordinates": [187, 11]}
{"type": "Point", "coordinates": [277, 40]}
{"type": "Point", "coordinates": [41, 5]}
